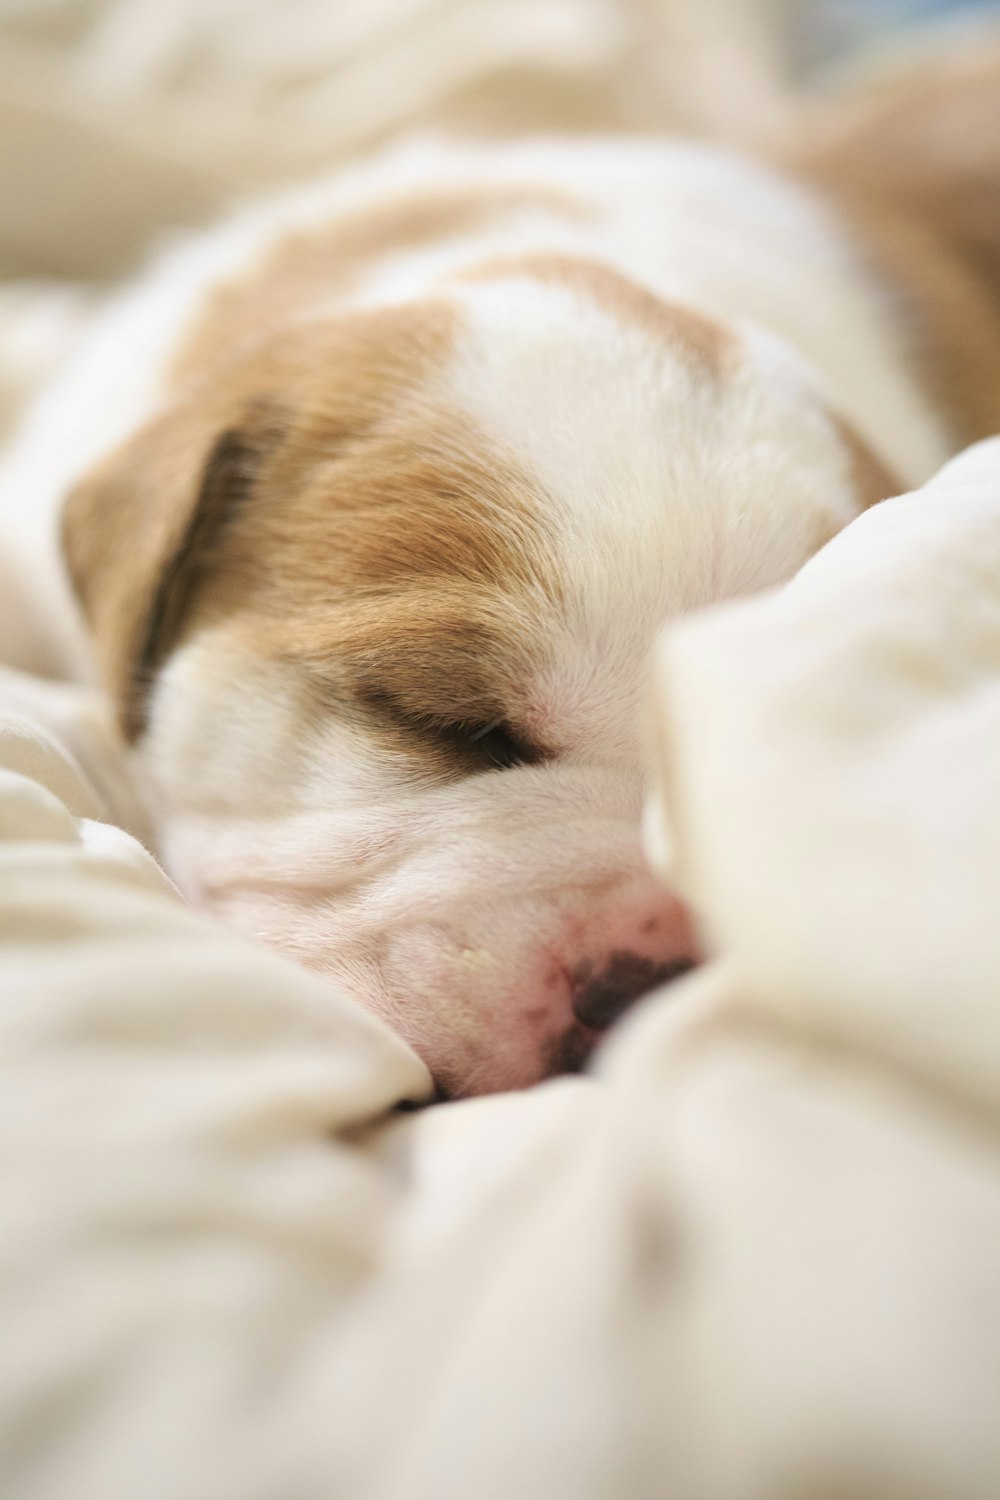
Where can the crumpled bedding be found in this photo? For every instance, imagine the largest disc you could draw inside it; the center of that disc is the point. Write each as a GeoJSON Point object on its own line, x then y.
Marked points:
{"type": "Point", "coordinates": [757, 1253]}
{"type": "Point", "coordinates": [124, 120]}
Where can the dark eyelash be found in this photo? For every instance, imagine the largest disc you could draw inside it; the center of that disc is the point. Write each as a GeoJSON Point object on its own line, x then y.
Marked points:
{"type": "Point", "coordinates": [496, 740]}
{"type": "Point", "coordinates": [492, 744]}
{"type": "Point", "coordinates": [475, 735]}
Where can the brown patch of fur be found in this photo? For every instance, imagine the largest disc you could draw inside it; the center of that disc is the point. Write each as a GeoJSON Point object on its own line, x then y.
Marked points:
{"type": "Point", "coordinates": [914, 165]}
{"type": "Point", "coordinates": [325, 261]}
{"type": "Point", "coordinates": [401, 572]}
{"type": "Point", "coordinates": [707, 342]}
{"type": "Point", "coordinates": [139, 530]}
{"type": "Point", "coordinates": [317, 498]}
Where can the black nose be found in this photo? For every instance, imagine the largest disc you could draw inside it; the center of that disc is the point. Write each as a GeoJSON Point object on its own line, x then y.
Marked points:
{"type": "Point", "coordinates": [599, 999]}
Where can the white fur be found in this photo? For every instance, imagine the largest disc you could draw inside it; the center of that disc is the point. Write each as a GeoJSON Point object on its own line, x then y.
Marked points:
{"type": "Point", "coordinates": [461, 911]}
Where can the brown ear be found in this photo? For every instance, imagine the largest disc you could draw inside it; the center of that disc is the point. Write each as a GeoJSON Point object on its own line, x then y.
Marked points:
{"type": "Point", "coordinates": [139, 534]}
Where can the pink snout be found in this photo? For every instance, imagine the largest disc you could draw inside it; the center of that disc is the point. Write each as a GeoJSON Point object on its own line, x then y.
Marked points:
{"type": "Point", "coordinates": [643, 940]}
{"type": "Point", "coordinates": [600, 995]}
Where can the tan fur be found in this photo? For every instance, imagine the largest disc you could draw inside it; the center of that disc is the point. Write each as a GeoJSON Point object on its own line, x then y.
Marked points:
{"type": "Point", "coordinates": [356, 543]}
{"type": "Point", "coordinates": [342, 514]}
{"type": "Point", "coordinates": [915, 166]}
{"type": "Point", "coordinates": [327, 260]}
{"type": "Point", "coordinates": [707, 342]}
{"type": "Point", "coordinates": [399, 567]}
{"type": "Point", "coordinates": [368, 547]}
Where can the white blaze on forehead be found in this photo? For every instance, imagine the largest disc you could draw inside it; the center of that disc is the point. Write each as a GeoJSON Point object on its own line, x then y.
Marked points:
{"type": "Point", "coordinates": [665, 482]}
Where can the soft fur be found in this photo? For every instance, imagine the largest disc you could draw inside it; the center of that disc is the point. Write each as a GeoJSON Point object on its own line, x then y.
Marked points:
{"type": "Point", "coordinates": [379, 494]}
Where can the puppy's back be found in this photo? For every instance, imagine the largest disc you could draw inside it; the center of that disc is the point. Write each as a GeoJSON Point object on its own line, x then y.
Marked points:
{"type": "Point", "coordinates": [913, 161]}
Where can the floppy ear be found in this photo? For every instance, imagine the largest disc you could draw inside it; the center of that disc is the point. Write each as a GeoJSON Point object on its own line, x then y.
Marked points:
{"type": "Point", "coordinates": [139, 534]}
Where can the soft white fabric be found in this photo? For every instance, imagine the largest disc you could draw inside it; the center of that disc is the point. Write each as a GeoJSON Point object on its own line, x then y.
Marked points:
{"type": "Point", "coordinates": [838, 787]}
{"type": "Point", "coordinates": [757, 1255]}
{"type": "Point", "coordinates": [123, 119]}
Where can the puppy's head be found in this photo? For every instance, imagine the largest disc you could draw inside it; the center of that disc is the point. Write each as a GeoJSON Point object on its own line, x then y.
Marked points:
{"type": "Point", "coordinates": [375, 599]}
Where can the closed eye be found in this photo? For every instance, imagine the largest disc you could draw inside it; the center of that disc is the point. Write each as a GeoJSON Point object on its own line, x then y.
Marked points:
{"type": "Point", "coordinates": [496, 741]}
{"type": "Point", "coordinates": [490, 744]}
{"type": "Point", "coordinates": [504, 747]}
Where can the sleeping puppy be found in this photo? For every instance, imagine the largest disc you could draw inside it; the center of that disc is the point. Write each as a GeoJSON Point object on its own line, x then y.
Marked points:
{"type": "Point", "coordinates": [377, 496]}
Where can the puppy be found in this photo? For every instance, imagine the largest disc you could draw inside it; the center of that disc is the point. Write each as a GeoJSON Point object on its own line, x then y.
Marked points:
{"type": "Point", "coordinates": [379, 492]}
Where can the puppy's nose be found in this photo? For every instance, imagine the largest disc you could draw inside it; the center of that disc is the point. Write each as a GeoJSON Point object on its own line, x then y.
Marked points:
{"type": "Point", "coordinates": [599, 999]}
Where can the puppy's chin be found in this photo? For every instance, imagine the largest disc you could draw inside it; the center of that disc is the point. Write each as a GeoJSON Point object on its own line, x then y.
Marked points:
{"type": "Point", "coordinates": [491, 994]}
{"type": "Point", "coordinates": [500, 925]}
{"type": "Point", "coordinates": [521, 990]}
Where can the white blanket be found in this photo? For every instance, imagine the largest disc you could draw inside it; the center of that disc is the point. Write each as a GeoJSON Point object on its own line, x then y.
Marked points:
{"type": "Point", "coordinates": [758, 1254]}
{"type": "Point", "coordinates": [121, 120]}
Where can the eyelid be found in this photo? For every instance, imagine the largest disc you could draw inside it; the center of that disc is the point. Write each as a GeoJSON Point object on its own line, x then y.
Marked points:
{"type": "Point", "coordinates": [513, 749]}
{"type": "Point", "coordinates": [485, 729]}
{"type": "Point", "coordinates": [461, 733]}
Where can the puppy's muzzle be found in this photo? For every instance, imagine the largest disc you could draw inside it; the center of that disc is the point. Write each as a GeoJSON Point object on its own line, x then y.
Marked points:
{"type": "Point", "coordinates": [600, 998]}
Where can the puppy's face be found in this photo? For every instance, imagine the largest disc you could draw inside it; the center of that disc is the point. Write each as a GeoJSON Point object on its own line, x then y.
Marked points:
{"type": "Point", "coordinates": [376, 599]}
